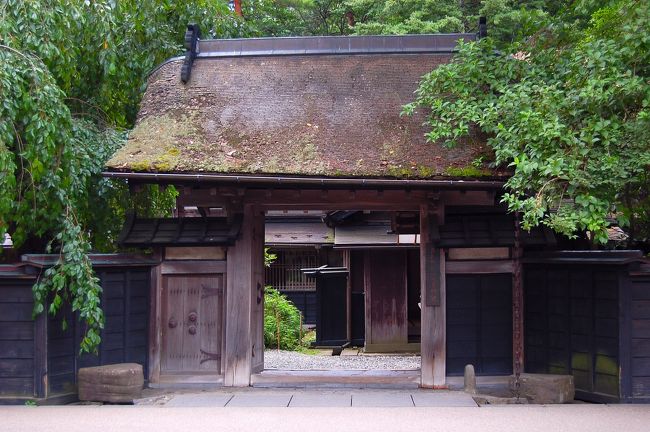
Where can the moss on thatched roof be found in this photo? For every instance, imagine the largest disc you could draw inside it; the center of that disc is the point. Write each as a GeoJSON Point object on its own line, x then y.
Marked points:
{"type": "Point", "coordinates": [322, 115]}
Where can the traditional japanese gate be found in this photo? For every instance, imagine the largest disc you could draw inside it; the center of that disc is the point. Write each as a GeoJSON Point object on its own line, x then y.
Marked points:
{"type": "Point", "coordinates": [300, 124]}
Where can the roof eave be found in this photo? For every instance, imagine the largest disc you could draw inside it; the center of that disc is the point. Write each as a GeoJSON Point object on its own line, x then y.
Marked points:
{"type": "Point", "coordinates": [306, 182]}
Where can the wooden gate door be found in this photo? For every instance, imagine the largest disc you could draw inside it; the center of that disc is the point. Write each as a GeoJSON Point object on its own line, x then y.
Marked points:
{"type": "Point", "coordinates": [386, 300]}
{"type": "Point", "coordinates": [191, 324]}
{"type": "Point", "coordinates": [479, 323]}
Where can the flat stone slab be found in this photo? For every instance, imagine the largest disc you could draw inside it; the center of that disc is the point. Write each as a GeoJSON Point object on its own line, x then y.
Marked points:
{"type": "Point", "coordinates": [382, 400]}
{"type": "Point", "coordinates": [199, 400]}
{"type": "Point", "coordinates": [259, 400]}
{"type": "Point", "coordinates": [297, 398]}
{"type": "Point", "coordinates": [443, 399]}
{"type": "Point", "coordinates": [321, 400]}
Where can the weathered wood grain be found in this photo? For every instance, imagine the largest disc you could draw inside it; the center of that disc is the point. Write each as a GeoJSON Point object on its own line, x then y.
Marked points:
{"type": "Point", "coordinates": [155, 320]}
{"type": "Point", "coordinates": [16, 386]}
{"type": "Point", "coordinates": [15, 312]}
{"type": "Point", "coordinates": [433, 321]}
{"type": "Point", "coordinates": [195, 253]}
{"type": "Point", "coordinates": [479, 267]}
{"type": "Point", "coordinates": [192, 267]}
{"type": "Point", "coordinates": [23, 330]}
{"type": "Point", "coordinates": [40, 356]}
{"type": "Point", "coordinates": [257, 299]}
{"type": "Point", "coordinates": [242, 292]}
{"type": "Point", "coordinates": [487, 253]}
{"type": "Point", "coordinates": [386, 297]}
{"type": "Point", "coordinates": [362, 199]}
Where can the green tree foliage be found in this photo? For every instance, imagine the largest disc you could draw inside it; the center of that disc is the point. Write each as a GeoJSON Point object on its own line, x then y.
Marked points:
{"type": "Point", "coordinates": [264, 18]}
{"type": "Point", "coordinates": [508, 20]}
{"type": "Point", "coordinates": [71, 77]}
{"type": "Point", "coordinates": [281, 321]}
{"type": "Point", "coordinates": [567, 109]}
{"type": "Point", "coordinates": [406, 17]}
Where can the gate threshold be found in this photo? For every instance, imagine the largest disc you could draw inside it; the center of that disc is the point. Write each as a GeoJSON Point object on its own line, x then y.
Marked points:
{"type": "Point", "coordinates": [388, 379]}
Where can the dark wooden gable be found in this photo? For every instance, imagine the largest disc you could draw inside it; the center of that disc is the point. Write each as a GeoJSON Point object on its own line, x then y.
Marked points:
{"type": "Point", "coordinates": [489, 230]}
{"type": "Point", "coordinates": [146, 232]}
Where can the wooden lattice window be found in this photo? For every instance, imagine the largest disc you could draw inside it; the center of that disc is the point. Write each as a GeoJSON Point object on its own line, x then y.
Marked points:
{"type": "Point", "coordinates": [284, 273]}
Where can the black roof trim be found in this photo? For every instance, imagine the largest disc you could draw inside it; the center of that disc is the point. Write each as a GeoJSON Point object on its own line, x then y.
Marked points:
{"type": "Point", "coordinates": [293, 181]}
{"type": "Point", "coordinates": [332, 45]}
{"type": "Point", "coordinates": [599, 257]}
{"type": "Point", "coordinates": [189, 231]}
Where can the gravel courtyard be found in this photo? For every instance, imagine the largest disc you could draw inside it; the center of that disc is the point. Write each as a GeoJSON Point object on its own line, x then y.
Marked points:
{"type": "Point", "coordinates": [291, 360]}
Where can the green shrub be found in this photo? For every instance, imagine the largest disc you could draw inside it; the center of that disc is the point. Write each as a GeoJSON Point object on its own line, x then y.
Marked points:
{"type": "Point", "coordinates": [283, 317]}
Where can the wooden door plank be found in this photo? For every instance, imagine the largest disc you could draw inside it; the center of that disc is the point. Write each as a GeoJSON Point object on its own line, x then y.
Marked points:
{"type": "Point", "coordinates": [174, 288]}
{"type": "Point", "coordinates": [386, 273]}
{"type": "Point", "coordinates": [191, 331]}
{"type": "Point", "coordinates": [211, 291]}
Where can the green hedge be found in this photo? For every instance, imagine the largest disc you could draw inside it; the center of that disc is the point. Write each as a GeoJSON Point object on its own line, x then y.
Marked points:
{"type": "Point", "coordinates": [283, 317]}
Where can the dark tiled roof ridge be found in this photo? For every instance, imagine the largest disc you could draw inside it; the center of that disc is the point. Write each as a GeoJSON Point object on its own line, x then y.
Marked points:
{"type": "Point", "coordinates": [332, 45]}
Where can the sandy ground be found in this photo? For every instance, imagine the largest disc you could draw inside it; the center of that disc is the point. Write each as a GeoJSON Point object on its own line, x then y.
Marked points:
{"type": "Point", "coordinates": [574, 418]}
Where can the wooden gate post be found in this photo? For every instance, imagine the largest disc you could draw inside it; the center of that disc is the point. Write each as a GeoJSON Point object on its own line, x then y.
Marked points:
{"type": "Point", "coordinates": [243, 335]}
{"type": "Point", "coordinates": [433, 301]}
{"type": "Point", "coordinates": [517, 308]}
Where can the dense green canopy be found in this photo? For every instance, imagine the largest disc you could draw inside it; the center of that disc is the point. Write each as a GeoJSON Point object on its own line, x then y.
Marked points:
{"type": "Point", "coordinates": [71, 77]}
{"type": "Point", "coordinates": [568, 108]}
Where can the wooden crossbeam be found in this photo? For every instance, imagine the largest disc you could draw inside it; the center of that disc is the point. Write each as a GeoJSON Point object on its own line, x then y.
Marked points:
{"type": "Point", "coordinates": [323, 199]}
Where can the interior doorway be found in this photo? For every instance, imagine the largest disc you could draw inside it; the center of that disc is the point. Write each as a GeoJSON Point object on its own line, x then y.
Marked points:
{"type": "Point", "coordinates": [356, 338]}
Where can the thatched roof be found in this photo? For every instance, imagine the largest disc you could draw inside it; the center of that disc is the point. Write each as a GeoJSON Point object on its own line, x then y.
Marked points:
{"type": "Point", "coordinates": [326, 114]}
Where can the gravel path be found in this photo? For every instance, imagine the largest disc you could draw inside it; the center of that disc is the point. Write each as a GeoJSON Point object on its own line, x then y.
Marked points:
{"type": "Point", "coordinates": [291, 360]}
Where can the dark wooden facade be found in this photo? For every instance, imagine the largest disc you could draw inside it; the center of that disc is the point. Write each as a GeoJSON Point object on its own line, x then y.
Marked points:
{"type": "Point", "coordinates": [479, 323]}
{"type": "Point", "coordinates": [636, 334]}
{"type": "Point", "coordinates": [21, 339]}
{"type": "Point", "coordinates": [39, 359]}
{"type": "Point", "coordinates": [588, 315]}
{"type": "Point", "coordinates": [306, 302]}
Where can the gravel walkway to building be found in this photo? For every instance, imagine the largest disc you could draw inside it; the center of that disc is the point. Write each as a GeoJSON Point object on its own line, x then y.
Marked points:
{"type": "Point", "coordinates": [291, 360]}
